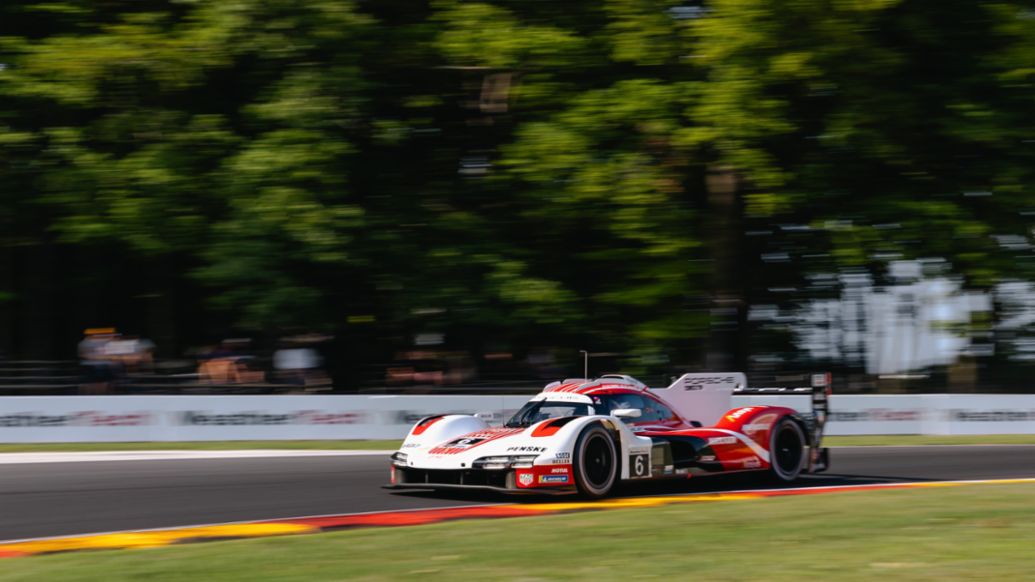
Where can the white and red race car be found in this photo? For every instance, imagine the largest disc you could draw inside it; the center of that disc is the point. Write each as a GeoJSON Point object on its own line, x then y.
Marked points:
{"type": "Point", "coordinates": [585, 436]}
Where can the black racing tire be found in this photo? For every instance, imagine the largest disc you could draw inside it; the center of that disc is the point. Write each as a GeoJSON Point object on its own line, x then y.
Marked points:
{"type": "Point", "coordinates": [596, 462]}
{"type": "Point", "coordinates": [787, 455]}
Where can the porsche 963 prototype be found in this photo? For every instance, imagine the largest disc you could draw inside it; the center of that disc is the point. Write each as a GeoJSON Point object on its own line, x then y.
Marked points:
{"type": "Point", "coordinates": [586, 435]}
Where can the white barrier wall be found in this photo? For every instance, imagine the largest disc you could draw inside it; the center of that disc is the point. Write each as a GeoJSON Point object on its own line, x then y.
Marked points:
{"type": "Point", "coordinates": [921, 413]}
{"type": "Point", "coordinates": [199, 418]}
{"type": "Point", "coordinates": [41, 419]}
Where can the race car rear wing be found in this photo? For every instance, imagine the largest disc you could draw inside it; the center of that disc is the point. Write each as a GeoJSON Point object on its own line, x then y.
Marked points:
{"type": "Point", "coordinates": [705, 397]}
{"type": "Point", "coordinates": [819, 391]}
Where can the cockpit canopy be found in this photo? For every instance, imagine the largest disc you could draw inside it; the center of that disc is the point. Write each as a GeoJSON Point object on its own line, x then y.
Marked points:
{"type": "Point", "coordinates": [603, 404]}
{"type": "Point", "coordinates": [585, 384]}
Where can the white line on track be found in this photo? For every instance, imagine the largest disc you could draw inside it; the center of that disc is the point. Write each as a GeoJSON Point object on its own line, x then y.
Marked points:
{"type": "Point", "coordinates": [80, 457]}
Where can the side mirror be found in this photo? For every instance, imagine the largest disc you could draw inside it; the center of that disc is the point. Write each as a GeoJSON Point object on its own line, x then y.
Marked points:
{"type": "Point", "coordinates": [627, 413]}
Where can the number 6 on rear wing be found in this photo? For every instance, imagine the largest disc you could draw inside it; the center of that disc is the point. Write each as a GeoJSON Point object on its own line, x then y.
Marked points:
{"type": "Point", "coordinates": [816, 418]}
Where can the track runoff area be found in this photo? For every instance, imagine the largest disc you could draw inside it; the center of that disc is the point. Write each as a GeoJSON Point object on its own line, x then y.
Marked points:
{"type": "Point", "coordinates": [56, 504]}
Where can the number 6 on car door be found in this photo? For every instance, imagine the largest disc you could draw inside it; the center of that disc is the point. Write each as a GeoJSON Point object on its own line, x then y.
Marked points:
{"type": "Point", "coordinates": [639, 466]}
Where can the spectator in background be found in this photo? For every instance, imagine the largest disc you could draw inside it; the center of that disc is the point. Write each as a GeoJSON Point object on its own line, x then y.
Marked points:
{"type": "Point", "coordinates": [132, 352]}
{"type": "Point", "coordinates": [297, 362]}
{"type": "Point", "coordinates": [229, 364]}
{"type": "Point", "coordinates": [99, 370]}
{"type": "Point", "coordinates": [92, 345]}
{"type": "Point", "coordinates": [145, 351]}
{"type": "Point", "coordinates": [416, 368]}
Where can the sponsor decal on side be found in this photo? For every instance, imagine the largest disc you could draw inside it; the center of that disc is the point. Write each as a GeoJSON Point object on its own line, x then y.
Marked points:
{"type": "Point", "coordinates": [752, 463]}
{"type": "Point", "coordinates": [472, 440]}
{"type": "Point", "coordinates": [524, 449]}
{"type": "Point", "coordinates": [726, 440]}
{"type": "Point", "coordinates": [553, 478]}
{"type": "Point", "coordinates": [525, 479]}
{"type": "Point", "coordinates": [558, 396]}
{"type": "Point", "coordinates": [738, 413]}
{"type": "Point", "coordinates": [464, 443]}
{"type": "Point", "coordinates": [698, 380]}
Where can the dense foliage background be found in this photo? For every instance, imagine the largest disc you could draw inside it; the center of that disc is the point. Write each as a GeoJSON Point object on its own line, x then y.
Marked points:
{"type": "Point", "coordinates": [624, 176]}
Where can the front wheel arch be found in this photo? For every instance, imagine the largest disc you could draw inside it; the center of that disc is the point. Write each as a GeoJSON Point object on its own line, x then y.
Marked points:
{"type": "Point", "coordinates": [596, 461]}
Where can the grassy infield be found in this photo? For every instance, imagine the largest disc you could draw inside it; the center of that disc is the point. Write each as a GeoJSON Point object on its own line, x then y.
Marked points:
{"type": "Point", "coordinates": [955, 533]}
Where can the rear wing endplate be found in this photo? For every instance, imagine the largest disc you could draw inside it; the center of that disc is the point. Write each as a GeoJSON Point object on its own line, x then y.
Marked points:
{"type": "Point", "coordinates": [819, 390]}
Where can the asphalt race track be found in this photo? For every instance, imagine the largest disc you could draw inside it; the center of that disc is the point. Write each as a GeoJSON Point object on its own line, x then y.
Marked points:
{"type": "Point", "coordinates": [51, 499]}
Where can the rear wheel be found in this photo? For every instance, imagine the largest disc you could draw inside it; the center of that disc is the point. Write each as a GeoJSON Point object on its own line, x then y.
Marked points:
{"type": "Point", "coordinates": [596, 462]}
{"type": "Point", "coordinates": [786, 451]}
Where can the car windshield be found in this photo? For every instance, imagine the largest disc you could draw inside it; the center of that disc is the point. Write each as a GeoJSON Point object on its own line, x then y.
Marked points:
{"type": "Point", "coordinates": [650, 410]}
{"type": "Point", "coordinates": [536, 411]}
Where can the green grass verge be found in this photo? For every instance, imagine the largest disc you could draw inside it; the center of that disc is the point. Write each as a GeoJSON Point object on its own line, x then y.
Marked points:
{"type": "Point", "coordinates": [196, 446]}
{"type": "Point", "coordinates": [959, 533]}
{"type": "Point", "coordinates": [835, 441]}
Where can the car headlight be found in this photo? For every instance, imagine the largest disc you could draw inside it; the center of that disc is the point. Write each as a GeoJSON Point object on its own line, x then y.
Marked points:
{"type": "Point", "coordinates": [399, 459]}
{"type": "Point", "coordinates": [504, 462]}
{"type": "Point", "coordinates": [523, 461]}
{"type": "Point", "coordinates": [492, 463]}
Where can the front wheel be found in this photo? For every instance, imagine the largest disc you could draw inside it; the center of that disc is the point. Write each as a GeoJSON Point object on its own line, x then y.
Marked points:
{"type": "Point", "coordinates": [596, 462]}
{"type": "Point", "coordinates": [786, 451]}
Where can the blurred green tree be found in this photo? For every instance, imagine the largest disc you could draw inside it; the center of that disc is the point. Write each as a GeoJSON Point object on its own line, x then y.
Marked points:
{"type": "Point", "coordinates": [509, 174]}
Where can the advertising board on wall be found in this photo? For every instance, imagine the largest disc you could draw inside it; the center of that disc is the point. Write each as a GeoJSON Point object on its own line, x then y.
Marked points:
{"type": "Point", "coordinates": [935, 414]}
{"type": "Point", "coordinates": [201, 418]}
{"type": "Point", "coordinates": [204, 418]}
